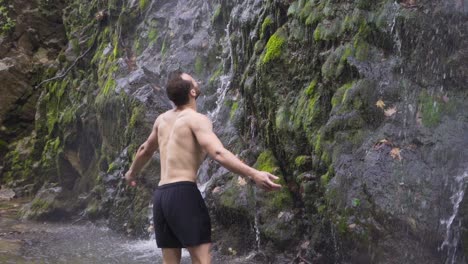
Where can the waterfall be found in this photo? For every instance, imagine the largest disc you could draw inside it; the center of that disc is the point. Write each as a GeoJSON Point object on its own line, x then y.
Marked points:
{"type": "Point", "coordinates": [225, 80]}
{"type": "Point", "coordinates": [256, 229]}
{"type": "Point", "coordinates": [225, 84]}
{"type": "Point", "coordinates": [452, 235]}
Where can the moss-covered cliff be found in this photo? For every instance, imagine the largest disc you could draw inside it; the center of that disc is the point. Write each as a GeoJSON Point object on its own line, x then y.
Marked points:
{"type": "Point", "coordinates": [358, 106]}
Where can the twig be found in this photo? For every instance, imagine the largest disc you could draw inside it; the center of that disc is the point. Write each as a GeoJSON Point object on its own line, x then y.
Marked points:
{"type": "Point", "coordinates": [69, 68]}
{"type": "Point", "coordinates": [303, 259]}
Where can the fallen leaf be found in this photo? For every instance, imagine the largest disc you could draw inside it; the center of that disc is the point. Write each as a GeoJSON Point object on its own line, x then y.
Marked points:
{"type": "Point", "coordinates": [217, 189]}
{"type": "Point", "coordinates": [280, 214]}
{"type": "Point", "coordinates": [381, 143]}
{"type": "Point", "coordinates": [241, 181]}
{"type": "Point", "coordinates": [380, 104]}
{"type": "Point", "coordinates": [396, 153]}
{"type": "Point", "coordinates": [390, 111]}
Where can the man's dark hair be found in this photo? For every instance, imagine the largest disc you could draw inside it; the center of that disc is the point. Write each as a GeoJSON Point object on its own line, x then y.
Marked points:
{"type": "Point", "coordinates": [178, 89]}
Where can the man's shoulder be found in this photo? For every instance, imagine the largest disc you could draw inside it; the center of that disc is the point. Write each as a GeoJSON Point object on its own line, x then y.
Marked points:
{"type": "Point", "coordinates": [195, 119]}
{"type": "Point", "coordinates": [200, 117]}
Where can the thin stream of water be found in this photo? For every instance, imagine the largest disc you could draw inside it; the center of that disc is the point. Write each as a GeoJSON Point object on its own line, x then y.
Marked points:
{"type": "Point", "coordinates": [452, 224]}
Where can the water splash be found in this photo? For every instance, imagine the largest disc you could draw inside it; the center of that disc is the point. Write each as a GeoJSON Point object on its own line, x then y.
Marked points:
{"type": "Point", "coordinates": [452, 235]}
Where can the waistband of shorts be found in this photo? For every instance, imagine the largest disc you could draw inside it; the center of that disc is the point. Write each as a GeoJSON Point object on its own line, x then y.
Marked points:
{"type": "Point", "coordinates": [176, 184]}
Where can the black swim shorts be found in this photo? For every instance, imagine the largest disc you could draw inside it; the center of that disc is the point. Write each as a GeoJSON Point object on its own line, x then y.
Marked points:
{"type": "Point", "coordinates": [180, 216]}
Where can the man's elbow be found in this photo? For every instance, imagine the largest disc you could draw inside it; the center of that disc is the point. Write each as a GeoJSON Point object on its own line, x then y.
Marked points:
{"type": "Point", "coordinates": [219, 155]}
{"type": "Point", "coordinates": [145, 152]}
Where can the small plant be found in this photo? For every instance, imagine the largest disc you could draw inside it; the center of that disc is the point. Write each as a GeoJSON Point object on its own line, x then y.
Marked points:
{"type": "Point", "coordinates": [355, 202]}
{"type": "Point", "coordinates": [6, 23]}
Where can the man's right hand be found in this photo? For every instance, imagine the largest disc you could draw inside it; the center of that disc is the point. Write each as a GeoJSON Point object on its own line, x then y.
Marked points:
{"type": "Point", "coordinates": [130, 178]}
{"type": "Point", "coordinates": [264, 180]}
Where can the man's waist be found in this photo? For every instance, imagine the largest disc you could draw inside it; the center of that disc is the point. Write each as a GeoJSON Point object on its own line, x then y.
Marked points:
{"type": "Point", "coordinates": [177, 183]}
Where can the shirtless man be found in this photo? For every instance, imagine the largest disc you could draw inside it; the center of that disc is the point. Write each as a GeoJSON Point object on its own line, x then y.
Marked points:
{"type": "Point", "coordinates": [184, 137]}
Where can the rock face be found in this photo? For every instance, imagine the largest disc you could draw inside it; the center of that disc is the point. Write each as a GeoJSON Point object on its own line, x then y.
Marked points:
{"type": "Point", "coordinates": [358, 106]}
{"type": "Point", "coordinates": [31, 36]}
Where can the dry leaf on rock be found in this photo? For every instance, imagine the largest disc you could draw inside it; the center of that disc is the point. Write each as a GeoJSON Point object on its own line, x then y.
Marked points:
{"type": "Point", "coordinates": [396, 153]}
{"type": "Point", "coordinates": [241, 181]}
{"type": "Point", "coordinates": [380, 104]}
{"type": "Point", "coordinates": [390, 111]}
{"type": "Point", "coordinates": [381, 143]}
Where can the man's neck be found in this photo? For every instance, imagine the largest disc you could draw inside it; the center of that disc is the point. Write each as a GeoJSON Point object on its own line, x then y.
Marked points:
{"type": "Point", "coordinates": [190, 105]}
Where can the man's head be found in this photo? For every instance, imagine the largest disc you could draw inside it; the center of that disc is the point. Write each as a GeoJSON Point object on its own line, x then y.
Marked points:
{"type": "Point", "coordinates": [181, 87]}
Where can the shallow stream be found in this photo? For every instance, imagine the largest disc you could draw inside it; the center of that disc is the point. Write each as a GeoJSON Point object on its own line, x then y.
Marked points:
{"type": "Point", "coordinates": [35, 242]}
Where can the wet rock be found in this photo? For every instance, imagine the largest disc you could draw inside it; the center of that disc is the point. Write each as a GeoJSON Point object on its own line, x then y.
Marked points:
{"type": "Point", "coordinates": [46, 205]}
{"type": "Point", "coordinates": [6, 193]}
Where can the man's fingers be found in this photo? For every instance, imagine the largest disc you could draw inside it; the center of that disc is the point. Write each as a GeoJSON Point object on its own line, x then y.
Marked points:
{"type": "Point", "coordinates": [274, 185]}
{"type": "Point", "coordinates": [271, 176]}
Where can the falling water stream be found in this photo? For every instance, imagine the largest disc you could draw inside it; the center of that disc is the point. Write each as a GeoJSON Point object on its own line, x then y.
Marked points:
{"type": "Point", "coordinates": [452, 224]}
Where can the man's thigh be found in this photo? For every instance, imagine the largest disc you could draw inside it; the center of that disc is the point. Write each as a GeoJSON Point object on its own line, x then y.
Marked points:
{"type": "Point", "coordinates": [200, 254]}
{"type": "Point", "coordinates": [171, 255]}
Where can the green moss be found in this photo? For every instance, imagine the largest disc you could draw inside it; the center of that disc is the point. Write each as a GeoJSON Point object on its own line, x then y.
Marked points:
{"type": "Point", "coordinates": [115, 45]}
{"type": "Point", "coordinates": [325, 179]}
{"type": "Point", "coordinates": [307, 109]}
{"type": "Point", "coordinates": [300, 161]}
{"type": "Point", "coordinates": [216, 14]}
{"type": "Point", "coordinates": [112, 167]}
{"type": "Point", "coordinates": [431, 109]}
{"type": "Point", "coordinates": [7, 24]}
{"type": "Point", "coordinates": [216, 74]}
{"type": "Point", "coordinates": [38, 205]}
{"type": "Point", "coordinates": [274, 48]}
{"type": "Point", "coordinates": [234, 108]}
{"type": "Point", "coordinates": [228, 198]}
{"type": "Point", "coordinates": [306, 10]}
{"type": "Point", "coordinates": [152, 35]}
{"type": "Point", "coordinates": [68, 115]}
{"type": "Point", "coordinates": [311, 88]}
{"type": "Point", "coordinates": [313, 18]}
{"type": "Point", "coordinates": [327, 30]}
{"type": "Point", "coordinates": [266, 25]}
{"type": "Point", "coordinates": [93, 209]}
{"type": "Point", "coordinates": [340, 95]}
{"type": "Point", "coordinates": [164, 47]}
{"type": "Point", "coordinates": [137, 116]}
{"type": "Point", "coordinates": [364, 4]}
{"type": "Point", "coordinates": [362, 50]}
{"type": "Point", "coordinates": [143, 4]}
{"type": "Point", "coordinates": [335, 63]}
{"type": "Point", "coordinates": [109, 86]}
{"type": "Point", "coordinates": [281, 199]}
{"type": "Point", "coordinates": [266, 162]}
{"type": "Point", "coordinates": [199, 67]}
{"type": "Point", "coordinates": [282, 118]}
{"type": "Point", "coordinates": [318, 143]}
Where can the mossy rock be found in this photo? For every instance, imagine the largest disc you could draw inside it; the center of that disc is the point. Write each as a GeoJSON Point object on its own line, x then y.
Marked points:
{"type": "Point", "coordinates": [274, 47]}
{"type": "Point", "coordinates": [278, 200]}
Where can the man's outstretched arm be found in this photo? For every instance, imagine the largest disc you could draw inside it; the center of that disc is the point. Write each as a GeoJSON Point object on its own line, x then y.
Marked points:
{"type": "Point", "coordinates": [203, 130]}
{"type": "Point", "coordinates": [144, 154]}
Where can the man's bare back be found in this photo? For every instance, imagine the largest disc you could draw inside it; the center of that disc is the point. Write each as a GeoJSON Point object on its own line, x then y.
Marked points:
{"type": "Point", "coordinates": [181, 154]}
